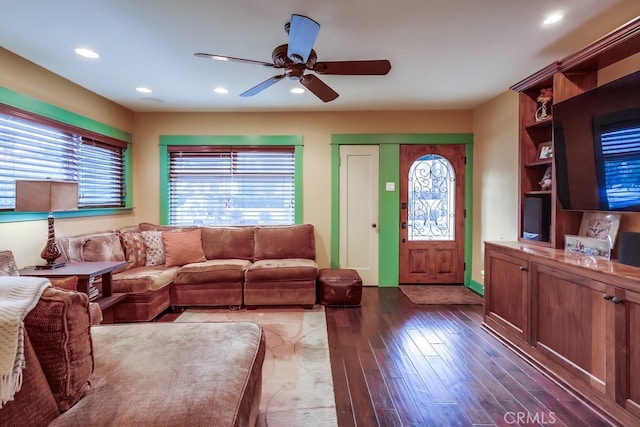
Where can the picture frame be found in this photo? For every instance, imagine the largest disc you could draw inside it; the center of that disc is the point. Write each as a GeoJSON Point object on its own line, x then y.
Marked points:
{"type": "Point", "coordinates": [600, 225]}
{"type": "Point", "coordinates": [588, 246]}
{"type": "Point", "coordinates": [545, 151]}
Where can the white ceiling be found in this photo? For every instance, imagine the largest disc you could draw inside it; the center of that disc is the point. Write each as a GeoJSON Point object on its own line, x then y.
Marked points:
{"type": "Point", "coordinates": [445, 54]}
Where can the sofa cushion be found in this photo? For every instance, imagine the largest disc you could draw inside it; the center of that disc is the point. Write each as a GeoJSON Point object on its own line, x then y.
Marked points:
{"type": "Point", "coordinates": [173, 374]}
{"type": "Point", "coordinates": [282, 270]}
{"type": "Point", "coordinates": [153, 247]}
{"type": "Point", "coordinates": [8, 265]}
{"type": "Point", "coordinates": [182, 248]}
{"type": "Point", "coordinates": [59, 330]}
{"type": "Point", "coordinates": [69, 283]}
{"type": "Point", "coordinates": [135, 252]}
{"type": "Point", "coordinates": [212, 271]}
{"type": "Point", "coordinates": [294, 241]}
{"type": "Point", "coordinates": [72, 246]}
{"type": "Point", "coordinates": [106, 247]}
{"type": "Point", "coordinates": [228, 242]}
{"type": "Point", "coordinates": [143, 279]}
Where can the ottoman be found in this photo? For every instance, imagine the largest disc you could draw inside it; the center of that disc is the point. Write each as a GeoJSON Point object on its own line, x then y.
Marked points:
{"type": "Point", "coordinates": [340, 287]}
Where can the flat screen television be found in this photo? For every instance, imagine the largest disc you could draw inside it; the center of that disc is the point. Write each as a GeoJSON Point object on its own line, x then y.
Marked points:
{"type": "Point", "coordinates": [596, 137]}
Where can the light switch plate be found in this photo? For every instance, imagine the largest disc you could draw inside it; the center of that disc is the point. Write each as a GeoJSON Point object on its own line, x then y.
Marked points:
{"type": "Point", "coordinates": [391, 186]}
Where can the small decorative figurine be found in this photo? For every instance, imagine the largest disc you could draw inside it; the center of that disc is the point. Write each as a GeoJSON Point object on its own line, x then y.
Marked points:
{"type": "Point", "coordinates": [545, 97]}
{"type": "Point", "coordinates": [545, 182]}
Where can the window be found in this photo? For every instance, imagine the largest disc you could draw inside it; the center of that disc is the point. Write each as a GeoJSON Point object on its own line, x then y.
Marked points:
{"type": "Point", "coordinates": [34, 147]}
{"type": "Point", "coordinates": [620, 152]}
{"type": "Point", "coordinates": [225, 185]}
{"type": "Point", "coordinates": [431, 199]}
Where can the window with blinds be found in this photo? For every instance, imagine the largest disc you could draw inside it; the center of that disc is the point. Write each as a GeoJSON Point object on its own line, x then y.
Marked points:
{"type": "Point", "coordinates": [39, 148]}
{"type": "Point", "coordinates": [620, 151]}
{"type": "Point", "coordinates": [216, 185]}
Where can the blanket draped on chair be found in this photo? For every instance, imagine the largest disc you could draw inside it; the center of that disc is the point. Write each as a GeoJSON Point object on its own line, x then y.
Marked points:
{"type": "Point", "coordinates": [18, 295]}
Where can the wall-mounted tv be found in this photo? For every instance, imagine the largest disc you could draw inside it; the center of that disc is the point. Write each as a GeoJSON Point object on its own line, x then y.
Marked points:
{"type": "Point", "coordinates": [596, 138]}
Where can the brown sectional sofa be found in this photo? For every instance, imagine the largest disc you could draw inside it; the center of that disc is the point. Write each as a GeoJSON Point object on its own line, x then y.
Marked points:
{"type": "Point", "coordinates": [202, 266]}
{"type": "Point", "coordinates": [76, 374]}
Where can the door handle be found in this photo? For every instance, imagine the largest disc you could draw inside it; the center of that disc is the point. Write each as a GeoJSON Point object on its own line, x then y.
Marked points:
{"type": "Point", "coordinates": [374, 225]}
{"type": "Point", "coordinates": [404, 225]}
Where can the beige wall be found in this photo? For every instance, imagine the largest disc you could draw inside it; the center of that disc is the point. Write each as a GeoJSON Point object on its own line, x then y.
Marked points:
{"type": "Point", "coordinates": [495, 175]}
{"type": "Point", "coordinates": [26, 239]}
{"type": "Point", "coordinates": [316, 130]}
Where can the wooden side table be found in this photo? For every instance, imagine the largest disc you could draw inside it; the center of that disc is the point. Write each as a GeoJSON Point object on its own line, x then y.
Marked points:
{"type": "Point", "coordinates": [86, 271]}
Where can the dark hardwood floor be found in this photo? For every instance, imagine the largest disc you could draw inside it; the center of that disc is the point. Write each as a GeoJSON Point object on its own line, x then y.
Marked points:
{"type": "Point", "coordinates": [399, 364]}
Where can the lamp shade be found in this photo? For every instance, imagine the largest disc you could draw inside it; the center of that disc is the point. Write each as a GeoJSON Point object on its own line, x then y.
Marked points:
{"type": "Point", "coordinates": [46, 195]}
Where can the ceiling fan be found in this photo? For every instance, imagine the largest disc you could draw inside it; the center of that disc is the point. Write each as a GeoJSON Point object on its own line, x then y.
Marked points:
{"type": "Point", "coordinates": [298, 56]}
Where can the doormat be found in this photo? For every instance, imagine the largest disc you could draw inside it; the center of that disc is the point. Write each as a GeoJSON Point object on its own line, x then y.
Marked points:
{"type": "Point", "coordinates": [438, 294]}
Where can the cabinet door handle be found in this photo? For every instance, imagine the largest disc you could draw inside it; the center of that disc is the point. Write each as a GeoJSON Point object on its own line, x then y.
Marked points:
{"type": "Point", "coordinates": [523, 268]}
{"type": "Point", "coordinates": [617, 300]}
{"type": "Point", "coordinates": [607, 297]}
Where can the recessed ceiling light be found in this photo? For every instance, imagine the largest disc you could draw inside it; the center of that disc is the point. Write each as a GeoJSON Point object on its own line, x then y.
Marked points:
{"type": "Point", "coordinates": [144, 90]}
{"type": "Point", "coordinates": [553, 18]}
{"type": "Point", "coordinates": [220, 90]}
{"type": "Point", "coordinates": [87, 53]}
{"type": "Point", "coordinates": [297, 90]}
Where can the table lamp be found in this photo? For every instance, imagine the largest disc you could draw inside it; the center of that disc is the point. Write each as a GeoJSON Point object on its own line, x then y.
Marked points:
{"type": "Point", "coordinates": [47, 196]}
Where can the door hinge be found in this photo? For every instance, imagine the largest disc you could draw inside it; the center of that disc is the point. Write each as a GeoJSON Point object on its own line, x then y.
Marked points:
{"type": "Point", "coordinates": [464, 266]}
{"type": "Point", "coordinates": [465, 160]}
{"type": "Point", "coordinates": [464, 213]}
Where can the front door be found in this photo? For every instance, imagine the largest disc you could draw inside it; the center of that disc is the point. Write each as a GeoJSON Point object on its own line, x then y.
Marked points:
{"type": "Point", "coordinates": [432, 214]}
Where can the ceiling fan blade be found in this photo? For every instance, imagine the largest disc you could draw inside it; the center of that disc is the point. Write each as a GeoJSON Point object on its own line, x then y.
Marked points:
{"type": "Point", "coordinates": [373, 68]}
{"type": "Point", "coordinates": [302, 35]}
{"type": "Point", "coordinates": [318, 87]}
{"type": "Point", "coordinates": [231, 58]}
{"type": "Point", "coordinates": [262, 86]}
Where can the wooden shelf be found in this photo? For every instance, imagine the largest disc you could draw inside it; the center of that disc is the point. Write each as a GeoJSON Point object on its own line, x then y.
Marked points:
{"type": "Point", "coordinates": [568, 77]}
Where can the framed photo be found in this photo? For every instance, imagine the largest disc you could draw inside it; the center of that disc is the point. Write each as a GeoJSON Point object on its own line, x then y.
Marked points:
{"type": "Point", "coordinates": [600, 225]}
{"type": "Point", "coordinates": [587, 246]}
{"type": "Point", "coordinates": [545, 151]}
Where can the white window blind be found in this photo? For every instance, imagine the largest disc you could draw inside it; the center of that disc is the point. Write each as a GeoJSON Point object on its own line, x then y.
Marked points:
{"type": "Point", "coordinates": [621, 154]}
{"type": "Point", "coordinates": [32, 149]}
{"type": "Point", "coordinates": [231, 185]}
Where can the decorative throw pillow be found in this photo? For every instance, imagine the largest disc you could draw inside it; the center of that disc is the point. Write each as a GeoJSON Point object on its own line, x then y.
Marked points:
{"type": "Point", "coordinates": [154, 247]}
{"type": "Point", "coordinates": [101, 248]}
{"type": "Point", "coordinates": [135, 252]}
{"type": "Point", "coordinates": [70, 283]}
{"type": "Point", "coordinates": [183, 247]}
{"type": "Point", "coordinates": [8, 265]}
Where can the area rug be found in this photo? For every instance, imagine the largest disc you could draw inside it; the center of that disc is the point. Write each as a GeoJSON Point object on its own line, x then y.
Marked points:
{"type": "Point", "coordinates": [437, 294]}
{"type": "Point", "coordinates": [297, 386]}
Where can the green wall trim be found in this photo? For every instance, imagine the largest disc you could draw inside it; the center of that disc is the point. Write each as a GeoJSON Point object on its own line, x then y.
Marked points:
{"type": "Point", "coordinates": [11, 216]}
{"type": "Point", "coordinates": [476, 287]}
{"type": "Point", "coordinates": [335, 206]}
{"type": "Point", "coordinates": [468, 218]}
{"type": "Point", "coordinates": [389, 201]}
{"type": "Point", "coordinates": [49, 111]}
{"type": "Point", "coordinates": [389, 217]}
{"type": "Point", "coordinates": [399, 138]}
{"type": "Point", "coordinates": [237, 140]}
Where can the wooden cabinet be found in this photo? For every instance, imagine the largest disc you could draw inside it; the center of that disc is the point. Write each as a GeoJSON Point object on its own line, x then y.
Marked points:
{"type": "Point", "coordinates": [627, 347]}
{"type": "Point", "coordinates": [570, 323]}
{"type": "Point", "coordinates": [506, 300]}
{"type": "Point", "coordinates": [575, 317]}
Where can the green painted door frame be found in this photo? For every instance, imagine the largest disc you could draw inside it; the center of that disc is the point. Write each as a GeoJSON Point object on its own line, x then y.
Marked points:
{"type": "Point", "coordinates": [389, 213]}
